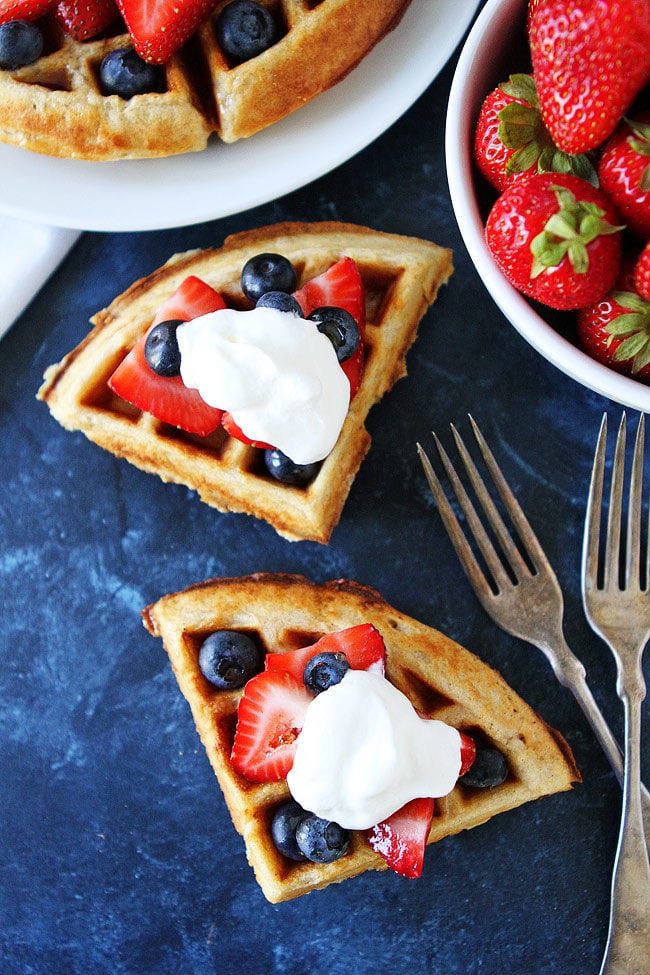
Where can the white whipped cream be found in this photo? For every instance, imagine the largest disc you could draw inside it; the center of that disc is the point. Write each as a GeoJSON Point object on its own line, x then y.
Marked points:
{"type": "Point", "coordinates": [275, 372]}
{"type": "Point", "coordinates": [364, 752]}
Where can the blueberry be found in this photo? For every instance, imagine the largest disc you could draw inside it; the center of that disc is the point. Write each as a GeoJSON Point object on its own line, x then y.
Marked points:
{"type": "Point", "coordinates": [228, 659]}
{"type": "Point", "coordinates": [283, 469]}
{"type": "Point", "coordinates": [267, 272]}
{"type": "Point", "coordinates": [489, 770]}
{"type": "Point", "coordinates": [324, 670]}
{"type": "Point", "coordinates": [21, 42]}
{"type": "Point", "coordinates": [245, 29]}
{"type": "Point", "coordinates": [281, 301]}
{"type": "Point", "coordinates": [285, 822]}
{"type": "Point", "coordinates": [340, 328]}
{"type": "Point", "coordinates": [322, 840]}
{"type": "Point", "coordinates": [124, 73]}
{"type": "Point", "coordinates": [161, 349]}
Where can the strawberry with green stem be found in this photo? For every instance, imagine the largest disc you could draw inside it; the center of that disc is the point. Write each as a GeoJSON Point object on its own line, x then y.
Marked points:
{"type": "Point", "coordinates": [624, 172]}
{"type": "Point", "coordinates": [616, 332]}
{"type": "Point", "coordinates": [556, 238]}
{"type": "Point", "coordinates": [511, 140]}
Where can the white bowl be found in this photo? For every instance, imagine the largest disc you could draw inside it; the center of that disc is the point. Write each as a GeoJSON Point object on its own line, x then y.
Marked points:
{"type": "Point", "coordinates": [489, 55]}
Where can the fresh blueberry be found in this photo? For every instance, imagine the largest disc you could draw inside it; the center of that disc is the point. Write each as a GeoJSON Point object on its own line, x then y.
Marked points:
{"type": "Point", "coordinates": [21, 42]}
{"type": "Point", "coordinates": [228, 659]}
{"type": "Point", "coordinates": [488, 770]}
{"type": "Point", "coordinates": [267, 272]}
{"type": "Point", "coordinates": [285, 822]}
{"type": "Point", "coordinates": [281, 301]}
{"type": "Point", "coordinates": [321, 840]}
{"type": "Point", "coordinates": [245, 29]}
{"type": "Point", "coordinates": [324, 670]}
{"type": "Point", "coordinates": [124, 73]}
{"type": "Point", "coordinates": [283, 469]}
{"type": "Point", "coordinates": [161, 349]}
{"type": "Point", "coordinates": [340, 328]}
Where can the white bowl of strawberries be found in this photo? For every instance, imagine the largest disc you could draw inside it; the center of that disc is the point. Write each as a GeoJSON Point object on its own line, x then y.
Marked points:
{"type": "Point", "coordinates": [548, 163]}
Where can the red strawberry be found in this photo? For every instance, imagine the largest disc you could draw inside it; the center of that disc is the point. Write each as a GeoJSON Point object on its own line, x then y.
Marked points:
{"type": "Point", "coordinates": [192, 298]}
{"type": "Point", "coordinates": [85, 18]}
{"type": "Point", "coordinates": [233, 430]}
{"type": "Point", "coordinates": [341, 286]}
{"type": "Point", "coordinates": [616, 332]}
{"type": "Point", "coordinates": [624, 173]}
{"type": "Point", "coordinates": [590, 59]}
{"type": "Point", "coordinates": [24, 9]}
{"type": "Point", "coordinates": [158, 28]}
{"type": "Point", "coordinates": [270, 717]}
{"type": "Point", "coordinates": [555, 238]}
{"type": "Point", "coordinates": [642, 273]}
{"type": "Point", "coordinates": [511, 140]}
{"type": "Point", "coordinates": [169, 399]}
{"type": "Point", "coordinates": [402, 838]}
{"type": "Point", "coordinates": [362, 645]}
{"type": "Point", "coordinates": [467, 753]}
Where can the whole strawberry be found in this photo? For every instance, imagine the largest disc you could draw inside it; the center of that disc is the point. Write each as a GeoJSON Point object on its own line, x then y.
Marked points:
{"type": "Point", "coordinates": [555, 237]}
{"type": "Point", "coordinates": [616, 332]}
{"type": "Point", "coordinates": [642, 273]}
{"type": "Point", "coordinates": [511, 140]}
{"type": "Point", "coordinates": [590, 59]}
{"type": "Point", "coordinates": [624, 172]}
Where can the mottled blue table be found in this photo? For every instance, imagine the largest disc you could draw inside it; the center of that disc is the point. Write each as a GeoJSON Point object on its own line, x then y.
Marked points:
{"type": "Point", "coordinates": [117, 852]}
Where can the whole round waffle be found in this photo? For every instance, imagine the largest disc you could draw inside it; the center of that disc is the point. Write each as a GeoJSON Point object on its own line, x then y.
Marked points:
{"type": "Point", "coordinates": [441, 679]}
{"type": "Point", "coordinates": [56, 105]}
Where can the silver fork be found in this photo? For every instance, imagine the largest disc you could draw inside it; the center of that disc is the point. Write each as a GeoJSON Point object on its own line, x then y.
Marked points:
{"type": "Point", "coordinates": [525, 598]}
{"type": "Point", "coordinates": [617, 606]}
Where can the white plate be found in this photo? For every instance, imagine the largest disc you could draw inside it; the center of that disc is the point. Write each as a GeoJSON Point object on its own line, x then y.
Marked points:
{"type": "Point", "coordinates": [222, 180]}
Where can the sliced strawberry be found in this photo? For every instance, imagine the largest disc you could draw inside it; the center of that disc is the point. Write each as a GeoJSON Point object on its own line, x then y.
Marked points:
{"type": "Point", "coordinates": [467, 753]}
{"type": "Point", "coordinates": [341, 286]}
{"type": "Point", "coordinates": [402, 838]}
{"type": "Point", "coordinates": [158, 28]}
{"type": "Point", "coordinates": [85, 18]}
{"type": "Point", "coordinates": [270, 717]}
{"type": "Point", "coordinates": [24, 9]}
{"type": "Point", "coordinates": [169, 399]}
{"type": "Point", "coordinates": [236, 431]}
{"type": "Point", "coordinates": [192, 298]}
{"type": "Point", "coordinates": [362, 645]}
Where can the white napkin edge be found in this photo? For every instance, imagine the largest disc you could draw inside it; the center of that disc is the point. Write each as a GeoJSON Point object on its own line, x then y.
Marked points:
{"type": "Point", "coordinates": [29, 253]}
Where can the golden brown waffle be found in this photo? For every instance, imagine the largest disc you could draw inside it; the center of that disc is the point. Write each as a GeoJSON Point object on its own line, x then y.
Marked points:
{"type": "Point", "coordinates": [55, 106]}
{"type": "Point", "coordinates": [401, 277]}
{"type": "Point", "coordinates": [442, 680]}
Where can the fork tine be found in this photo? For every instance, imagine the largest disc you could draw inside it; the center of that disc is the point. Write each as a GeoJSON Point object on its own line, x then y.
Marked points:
{"type": "Point", "coordinates": [474, 523]}
{"type": "Point", "coordinates": [494, 518]}
{"type": "Point", "coordinates": [613, 543]}
{"type": "Point", "coordinates": [633, 553]}
{"type": "Point", "coordinates": [455, 532]}
{"type": "Point", "coordinates": [591, 542]}
{"type": "Point", "coordinates": [526, 534]}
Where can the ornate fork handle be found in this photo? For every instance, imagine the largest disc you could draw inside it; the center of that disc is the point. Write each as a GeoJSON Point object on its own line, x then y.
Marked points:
{"type": "Point", "coordinates": [628, 942]}
{"type": "Point", "coordinates": [571, 674]}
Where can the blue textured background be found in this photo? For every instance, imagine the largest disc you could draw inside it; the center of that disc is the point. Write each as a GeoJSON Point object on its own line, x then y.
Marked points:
{"type": "Point", "coordinates": [117, 852]}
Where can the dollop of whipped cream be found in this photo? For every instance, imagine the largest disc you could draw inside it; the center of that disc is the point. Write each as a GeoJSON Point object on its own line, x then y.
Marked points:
{"type": "Point", "coordinates": [364, 752]}
{"type": "Point", "coordinates": [274, 372]}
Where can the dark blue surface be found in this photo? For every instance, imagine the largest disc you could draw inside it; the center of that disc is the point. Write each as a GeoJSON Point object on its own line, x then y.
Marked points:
{"type": "Point", "coordinates": [118, 855]}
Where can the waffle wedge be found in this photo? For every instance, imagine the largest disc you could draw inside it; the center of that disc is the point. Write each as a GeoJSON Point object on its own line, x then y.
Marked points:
{"type": "Point", "coordinates": [401, 276]}
{"type": "Point", "coordinates": [442, 680]}
{"type": "Point", "coordinates": [56, 106]}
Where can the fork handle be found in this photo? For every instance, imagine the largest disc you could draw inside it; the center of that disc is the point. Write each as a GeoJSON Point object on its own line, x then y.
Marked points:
{"type": "Point", "coordinates": [571, 673]}
{"type": "Point", "coordinates": [628, 941]}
